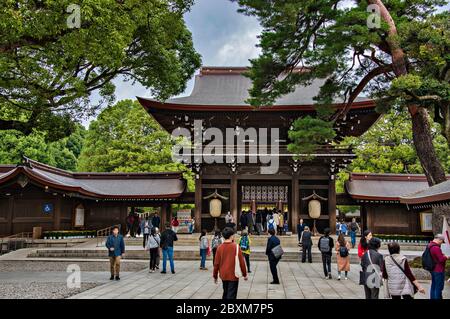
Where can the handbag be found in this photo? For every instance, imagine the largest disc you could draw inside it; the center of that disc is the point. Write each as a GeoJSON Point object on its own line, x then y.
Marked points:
{"type": "Point", "coordinates": [415, 290]}
{"type": "Point", "coordinates": [237, 265]}
{"type": "Point", "coordinates": [277, 251]}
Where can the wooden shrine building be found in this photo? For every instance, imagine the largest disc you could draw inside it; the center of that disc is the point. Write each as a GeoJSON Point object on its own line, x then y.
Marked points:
{"type": "Point", "coordinates": [218, 100]}
{"type": "Point", "coordinates": [34, 194]}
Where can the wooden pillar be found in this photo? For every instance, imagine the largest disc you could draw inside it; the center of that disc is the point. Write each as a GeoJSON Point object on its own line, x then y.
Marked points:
{"type": "Point", "coordinates": [198, 204]}
{"type": "Point", "coordinates": [295, 207]}
{"type": "Point", "coordinates": [332, 205]}
{"type": "Point", "coordinates": [10, 216]}
{"type": "Point", "coordinates": [163, 214]}
{"type": "Point", "coordinates": [234, 198]}
{"type": "Point", "coordinates": [57, 214]}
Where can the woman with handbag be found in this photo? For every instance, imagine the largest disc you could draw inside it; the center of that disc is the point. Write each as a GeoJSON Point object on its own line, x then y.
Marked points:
{"type": "Point", "coordinates": [401, 283]}
{"type": "Point", "coordinates": [372, 265]}
{"type": "Point", "coordinates": [273, 252]}
{"type": "Point", "coordinates": [342, 256]}
{"type": "Point", "coordinates": [229, 264]}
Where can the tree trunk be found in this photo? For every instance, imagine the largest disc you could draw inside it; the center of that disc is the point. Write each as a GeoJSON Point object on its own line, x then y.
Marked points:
{"type": "Point", "coordinates": [423, 140]}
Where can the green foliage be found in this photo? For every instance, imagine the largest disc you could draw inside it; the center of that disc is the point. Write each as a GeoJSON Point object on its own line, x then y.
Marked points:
{"type": "Point", "coordinates": [48, 70]}
{"type": "Point", "coordinates": [387, 147]}
{"type": "Point", "coordinates": [307, 133]}
{"type": "Point", "coordinates": [333, 40]}
{"type": "Point", "coordinates": [124, 138]}
{"type": "Point", "coordinates": [62, 153]}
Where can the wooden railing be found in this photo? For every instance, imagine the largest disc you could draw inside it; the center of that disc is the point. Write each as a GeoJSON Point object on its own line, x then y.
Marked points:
{"type": "Point", "coordinates": [5, 242]}
{"type": "Point", "coordinates": [105, 232]}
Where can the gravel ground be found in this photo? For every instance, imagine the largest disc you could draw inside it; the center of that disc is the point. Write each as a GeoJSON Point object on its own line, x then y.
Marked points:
{"type": "Point", "coordinates": [9, 266]}
{"type": "Point", "coordinates": [34, 290]}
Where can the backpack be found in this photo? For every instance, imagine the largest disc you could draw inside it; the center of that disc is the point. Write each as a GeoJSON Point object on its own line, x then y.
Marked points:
{"type": "Point", "coordinates": [271, 224]}
{"type": "Point", "coordinates": [215, 242]}
{"type": "Point", "coordinates": [427, 260]}
{"type": "Point", "coordinates": [324, 245]}
{"type": "Point", "coordinates": [244, 243]}
{"type": "Point", "coordinates": [343, 251]}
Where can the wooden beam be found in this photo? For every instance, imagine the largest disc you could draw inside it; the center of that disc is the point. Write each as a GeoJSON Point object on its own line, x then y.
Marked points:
{"type": "Point", "coordinates": [295, 197]}
{"type": "Point", "coordinates": [10, 216]}
{"type": "Point", "coordinates": [332, 205]}
{"type": "Point", "coordinates": [57, 214]}
{"type": "Point", "coordinates": [198, 204]}
{"type": "Point", "coordinates": [234, 198]}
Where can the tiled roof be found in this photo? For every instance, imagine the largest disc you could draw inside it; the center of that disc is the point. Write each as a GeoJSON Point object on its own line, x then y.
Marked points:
{"type": "Point", "coordinates": [100, 185]}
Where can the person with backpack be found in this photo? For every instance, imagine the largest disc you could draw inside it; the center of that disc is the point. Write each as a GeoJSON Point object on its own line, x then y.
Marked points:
{"type": "Point", "coordinates": [401, 283]}
{"type": "Point", "coordinates": [372, 265]}
{"type": "Point", "coordinates": [363, 245]}
{"type": "Point", "coordinates": [204, 247]}
{"type": "Point", "coordinates": [306, 241]}
{"type": "Point", "coordinates": [215, 242]}
{"type": "Point", "coordinates": [228, 253]}
{"type": "Point", "coordinates": [271, 224]}
{"type": "Point", "coordinates": [354, 228]}
{"type": "Point", "coordinates": [343, 229]}
{"type": "Point", "coordinates": [326, 245]}
{"type": "Point", "coordinates": [245, 243]}
{"type": "Point", "coordinates": [168, 237]}
{"type": "Point", "coordinates": [274, 253]}
{"type": "Point", "coordinates": [342, 256]}
{"type": "Point", "coordinates": [434, 261]}
{"type": "Point", "coordinates": [152, 246]}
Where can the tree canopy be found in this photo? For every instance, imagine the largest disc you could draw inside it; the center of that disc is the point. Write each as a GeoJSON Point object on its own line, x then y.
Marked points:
{"type": "Point", "coordinates": [14, 145]}
{"type": "Point", "coordinates": [401, 61]}
{"type": "Point", "coordinates": [124, 138]}
{"type": "Point", "coordinates": [50, 66]}
{"type": "Point", "coordinates": [387, 147]}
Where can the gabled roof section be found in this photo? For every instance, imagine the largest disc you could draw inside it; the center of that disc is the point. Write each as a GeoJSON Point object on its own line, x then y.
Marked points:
{"type": "Point", "coordinates": [99, 185]}
{"type": "Point", "coordinates": [384, 187]}
{"type": "Point", "coordinates": [437, 194]}
{"type": "Point", "coordinates": [226, 88]}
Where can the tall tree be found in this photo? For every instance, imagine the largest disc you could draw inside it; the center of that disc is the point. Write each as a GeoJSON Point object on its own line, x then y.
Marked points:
{"type": "Point", "coordinates": [54, 54]}
{"type": "Point", "coordinates": [64, 153]}
{"type": "Point", "coordinates": [343, 42]}
{"type": "Point", "coordinates": [124, 138]}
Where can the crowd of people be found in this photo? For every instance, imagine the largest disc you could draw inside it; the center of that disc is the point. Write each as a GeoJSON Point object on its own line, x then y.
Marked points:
{"type": "Point", "coordinates": [261, 221]}
{"type": "Point", "coordinates": [231, 257]}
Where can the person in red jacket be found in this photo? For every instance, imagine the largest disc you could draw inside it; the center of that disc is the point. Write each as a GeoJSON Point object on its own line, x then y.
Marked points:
{"type": "Point", "coordinates": [175, 223]}
{"type": "Point", "coordinates": [224, 264]}
{"type": "Point", "coordinates": [363, 245]}
{"type": "Point", "coordinates": [438, 273]}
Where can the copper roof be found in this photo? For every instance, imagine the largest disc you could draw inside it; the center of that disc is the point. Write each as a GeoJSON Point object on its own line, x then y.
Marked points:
{"type": "Point", "coordinates": [99, 185]}
{"type": "Point", "coordinates": [439, 193]}
{"type": "Point", "coordinates": [225, 88]}
{"type": "Point", "coordinates": [384, 187]}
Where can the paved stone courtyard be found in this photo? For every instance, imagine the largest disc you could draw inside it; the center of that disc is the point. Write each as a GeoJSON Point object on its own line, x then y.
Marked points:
{"type": "Point", "coordinates": [298, 281]}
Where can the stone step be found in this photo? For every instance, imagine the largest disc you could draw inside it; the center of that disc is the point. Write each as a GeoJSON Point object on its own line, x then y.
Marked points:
{"type": "Point", "coordinates": [188, 253]}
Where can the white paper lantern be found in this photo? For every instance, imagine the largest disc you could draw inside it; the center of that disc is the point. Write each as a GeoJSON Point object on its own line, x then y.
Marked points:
{"type": "Point", "coordinates": [314, 208]}
{"type": "Point", "coordinates": [215, 207]}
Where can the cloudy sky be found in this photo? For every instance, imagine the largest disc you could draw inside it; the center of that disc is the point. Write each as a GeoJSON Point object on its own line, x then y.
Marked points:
{"type": "Point", "coordinates": [221, 35]}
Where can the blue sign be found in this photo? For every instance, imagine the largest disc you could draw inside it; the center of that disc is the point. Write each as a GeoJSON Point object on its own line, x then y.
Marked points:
{"type": "Point", "coordinates": [47, 208]}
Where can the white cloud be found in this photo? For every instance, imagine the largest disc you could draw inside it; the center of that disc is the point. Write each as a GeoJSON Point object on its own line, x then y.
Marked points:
{"type": "Point", "coordinates": [239, 48]}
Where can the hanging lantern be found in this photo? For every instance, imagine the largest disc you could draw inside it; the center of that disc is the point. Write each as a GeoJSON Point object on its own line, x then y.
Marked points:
{"type": "Point", "coordinates": [215, 207]}
{"type": "Point", "coordinates": [215, 204]}
{"type": "Point", "coordinates": [314, 208]}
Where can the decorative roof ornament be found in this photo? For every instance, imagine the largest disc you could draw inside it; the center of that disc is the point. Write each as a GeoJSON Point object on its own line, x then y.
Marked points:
{"type": "Point", "coordinates": [314, 196]}
{"type": "Point", "coordinates": [215, 195]}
